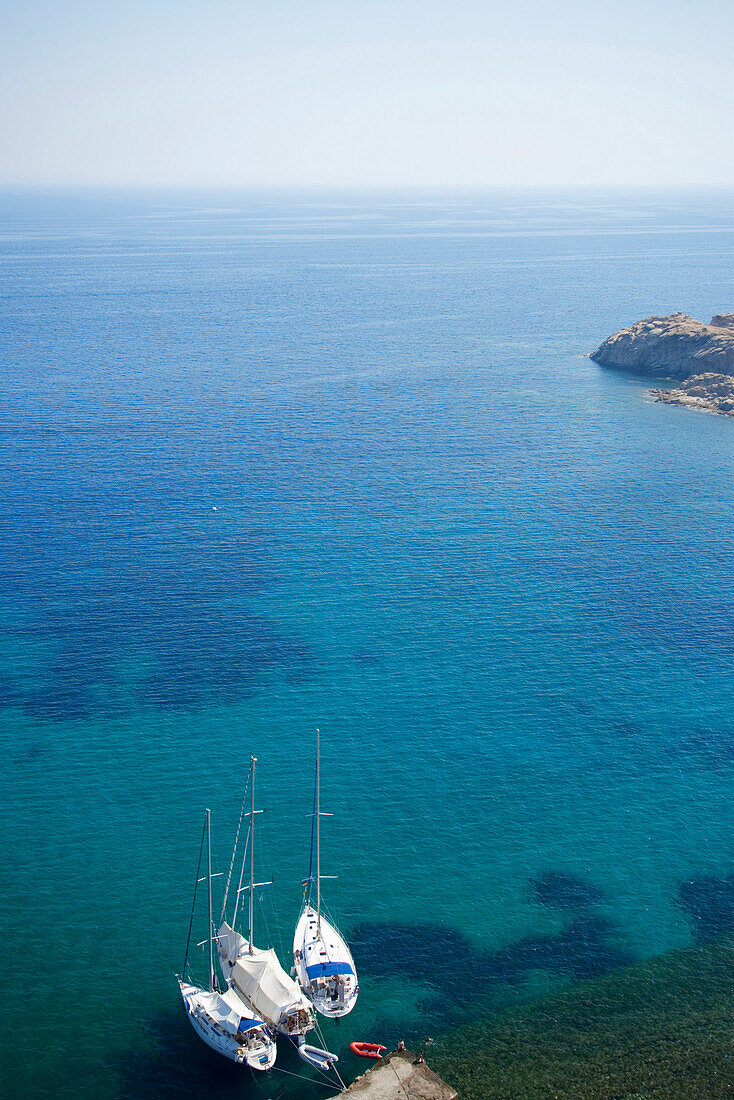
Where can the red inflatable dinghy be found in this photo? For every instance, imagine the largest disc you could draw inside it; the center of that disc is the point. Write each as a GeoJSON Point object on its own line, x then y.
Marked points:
{"type": "Point", "coordinates": [367, 1050]}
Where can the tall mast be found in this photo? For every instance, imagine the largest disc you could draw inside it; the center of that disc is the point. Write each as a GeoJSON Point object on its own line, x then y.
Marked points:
{"type": "Point", "coordinates": [318, 832]}
{"type": "Point", "coordinates": [209, 877]}
{"type": "Point", "coordinates": [253, 761]}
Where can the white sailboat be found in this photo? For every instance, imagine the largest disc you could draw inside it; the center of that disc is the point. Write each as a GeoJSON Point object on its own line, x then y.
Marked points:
{"type": "Point", "coordinates": [256, 974]}
{"type": "Point", "coordinates": [322, 959]}
{"type": "Point", "coordinates": [227, 1021]}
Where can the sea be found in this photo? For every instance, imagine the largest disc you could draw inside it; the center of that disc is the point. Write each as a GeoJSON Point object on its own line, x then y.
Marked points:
{"type": "Point", "coordinates": [274, 462]}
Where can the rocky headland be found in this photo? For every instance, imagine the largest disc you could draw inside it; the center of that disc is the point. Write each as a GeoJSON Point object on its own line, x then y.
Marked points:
{"type": "Point", "coordinates": [699, 356]}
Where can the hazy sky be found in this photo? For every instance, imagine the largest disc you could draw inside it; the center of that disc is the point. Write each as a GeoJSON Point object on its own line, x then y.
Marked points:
{"type": "Point", "coordinates": [367, 92]}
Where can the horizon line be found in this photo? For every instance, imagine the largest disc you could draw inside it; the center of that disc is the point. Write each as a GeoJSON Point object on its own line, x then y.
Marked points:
{"type": "Point", "coordinates": [364, 188]}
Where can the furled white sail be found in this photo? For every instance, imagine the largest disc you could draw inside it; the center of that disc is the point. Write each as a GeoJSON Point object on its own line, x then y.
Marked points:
{"type": "Point", "coordinates": [229, 946]}
{"type": "Point", "coordinates": [261, 979]}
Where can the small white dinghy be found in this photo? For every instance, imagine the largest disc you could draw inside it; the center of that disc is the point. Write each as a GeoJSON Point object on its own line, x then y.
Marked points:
{"type": "Point", "coordinates": [256, 975]}
{"type": "Point", "coordinates": [226, 1021]}
{"type": "Point", "coordinates": [322, 960]}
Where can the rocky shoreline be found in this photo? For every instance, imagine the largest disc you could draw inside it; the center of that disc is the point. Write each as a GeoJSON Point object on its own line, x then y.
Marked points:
{"type": "Point", "coordinates": [700, 357]}
{"type": "Point", "coordinates": [707, 392]}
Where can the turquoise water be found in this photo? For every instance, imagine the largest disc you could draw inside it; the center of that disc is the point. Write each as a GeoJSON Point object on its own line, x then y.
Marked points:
{"type": "Point", "coordinates": [497, 577]}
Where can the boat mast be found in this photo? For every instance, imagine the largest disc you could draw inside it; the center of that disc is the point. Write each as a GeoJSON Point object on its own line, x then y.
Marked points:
{"type": "Point", "coordinates": [253, 761]}
{"type": "Point", "coordinates": [318, 833]}
{"type": "Point", "coordinates": [209, 877]}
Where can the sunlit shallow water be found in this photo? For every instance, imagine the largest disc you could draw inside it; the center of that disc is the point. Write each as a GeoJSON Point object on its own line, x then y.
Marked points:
{"type": "Point", "coordinates": [339, 461]}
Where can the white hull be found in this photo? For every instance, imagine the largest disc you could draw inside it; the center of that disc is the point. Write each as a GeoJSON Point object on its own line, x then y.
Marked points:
{"type": "Point", "coordinates": [209, 1015]}
{"type": "Point", "coordinates": [324, 965]}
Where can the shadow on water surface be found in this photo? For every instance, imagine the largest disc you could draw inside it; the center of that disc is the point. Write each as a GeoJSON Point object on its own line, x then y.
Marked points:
{"type": "Point", "coordinates": [177, 1064]}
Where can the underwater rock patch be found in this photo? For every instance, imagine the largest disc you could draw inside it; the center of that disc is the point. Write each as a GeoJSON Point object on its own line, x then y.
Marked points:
{"type": "Point", "coordinates": [712, 748]}
{"type": "Point", "coordinates": [182, 656]}
{"type": "Point", "coordinates": [582, 950]}
{"type": "Point", "coordinates": [562, 891]}
{"type": "Point", "coordinates": [709, 902]}
{"type": "Point", "coordinates": [446, 959]}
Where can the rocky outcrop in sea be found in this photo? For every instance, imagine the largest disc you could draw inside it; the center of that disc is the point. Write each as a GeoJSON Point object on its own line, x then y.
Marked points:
{"type": "Point", "coordinates": [700, 356]}
{"type": "Point", "coordinates": [708, 392]}
{"type": "Point", "coordinates": [676, 346]}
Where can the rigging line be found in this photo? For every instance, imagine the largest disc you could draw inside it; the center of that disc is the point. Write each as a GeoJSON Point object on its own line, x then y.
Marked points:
{"type": "Point", "coordinates": [303, 1077]}
{"type": "Point", "coordinates": [313, 830]}
{"type": "Point", "coordinates": [339, 1077]}
{"type": "Point", "coordinates": [234, 850]}
{"type": "Point", "coordinates": [325, 1073]}
{"type": "Point", "coordinates": [242, 875]}
{"type": "Point", "coordinates": [262, 910]}
{"type": "Point", "coordinates": [322, 1040]}
{"type": "Point", "coordinates": [259, 1087]}
{"type": "Point", "coordinates": [269, 898]}
{"type": "Point", "coordinates": [193, 903]}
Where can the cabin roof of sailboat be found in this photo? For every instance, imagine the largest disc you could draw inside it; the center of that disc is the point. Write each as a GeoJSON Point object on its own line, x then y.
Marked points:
{"type": "Point", "coordinates": [240, 1009]}
{"type": "Point", "coordinates": [229, 1010]}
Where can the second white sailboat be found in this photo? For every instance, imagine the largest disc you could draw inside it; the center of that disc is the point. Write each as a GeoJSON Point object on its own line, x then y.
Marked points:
{"type": "Point", "coordinates": [322, 959]}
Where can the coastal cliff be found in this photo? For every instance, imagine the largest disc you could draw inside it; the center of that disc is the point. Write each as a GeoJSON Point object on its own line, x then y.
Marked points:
{"type": "Point", "coordinates": [700, 357]}
{"type": "Point", "coordinates": [676, 346]}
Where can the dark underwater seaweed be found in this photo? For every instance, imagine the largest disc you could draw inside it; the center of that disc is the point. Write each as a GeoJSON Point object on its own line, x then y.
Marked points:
{"type": "Point", "coordinates": [582, 950]}
{"type": "Point", "coordinates": [137, 615]}
{"type": "Point", "coordinates": [712, 748]}
{"type": "Point", "coordinates": [562, 891]}
{"type": "Point", "coordinates": [709, 902]}
{"type": "Point", "coordinates": [691, 624]}
{"type": "Point", "coordinates": [186, 649]}
{"type": "Point", "coordinates": [425, 952]}
{"type": "Point", "coordinates": [446, 959]}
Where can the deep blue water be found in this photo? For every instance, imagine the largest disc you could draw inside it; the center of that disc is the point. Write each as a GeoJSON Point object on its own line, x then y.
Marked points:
{"type": "Point", "coordinates": [496, 576]}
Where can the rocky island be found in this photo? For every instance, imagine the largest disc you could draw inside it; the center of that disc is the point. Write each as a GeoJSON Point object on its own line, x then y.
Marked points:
{"type": "Point", "coordinates": [699, 356]}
